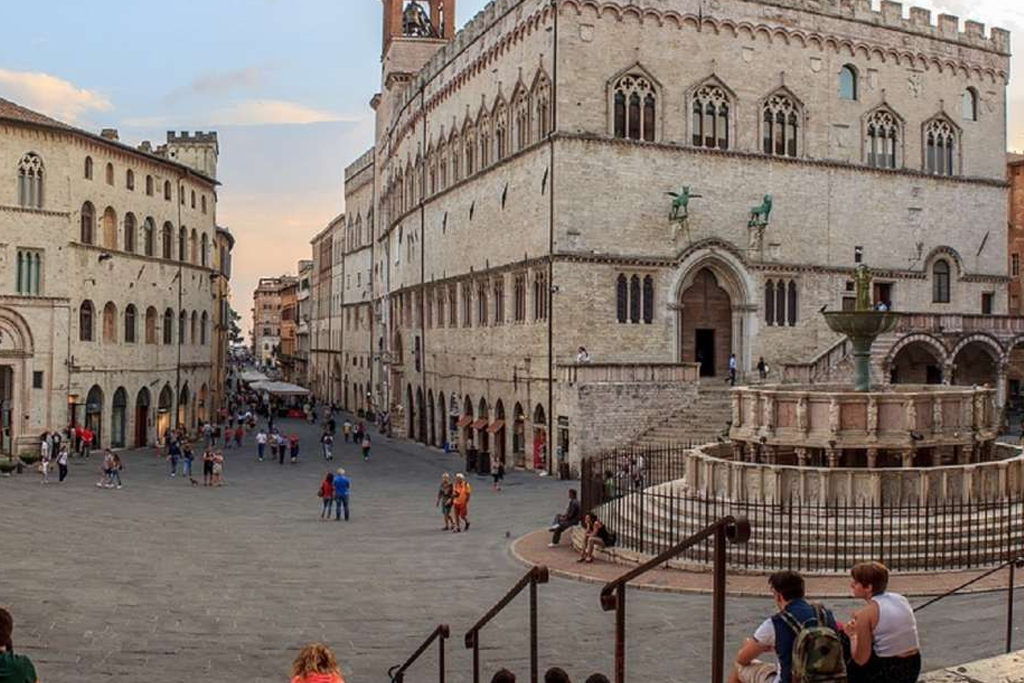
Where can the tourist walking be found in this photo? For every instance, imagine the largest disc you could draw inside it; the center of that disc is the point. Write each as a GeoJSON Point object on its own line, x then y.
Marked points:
{"type": "Point", "coordinates": [365, 444]}
{"type": "Point", "coordinates": [883, 634]}
{"type": "Point", "coordinates": [445, 499]}
{"type": "Point", "coordinates": [239, 434]}
{"type": "Point", "coordinates": [341, 489]}
{"type": "Point", "coordinates": [346, 430]}
{"type": "Point", "coordinates": [327, 446]}
{"type": "Point", "coordinates": [105, 467]}
{"type": "Point", "coordinates": [293, 445]}
{"type": "Point", "coordinates": [497, 470]}
{"type": "Point", "coordinates": [596, 537]}
{"type": "Point", "coordinates": [218, 469]}
{"type": "Point", "coordinates": [326, 494]}
{"type": "Point", "coordinates": [87, 437]}
{"type": "Point", "coordinates": [207, 467]}
{"type": "Point", "coordinates": [62, 462]}
{"type": "Point", "coordinates": [115, 469]}
{"type": "Point", "coordinates": [187, 458]}
{"type": "Point", "coordinates": [44, 457]}
{"type": "Point", "coordinates": [261, 444]}
{"type": "Point", "coordinates": [732, 369]}
{"type": "Point", "coordinates": [461, 493]}
{"type": "Point", "coordinates": [173, 454]}
{"type": "Point", "coordinates": [282, 447]}
{"type": "Point", "coordinates": [316, 664]}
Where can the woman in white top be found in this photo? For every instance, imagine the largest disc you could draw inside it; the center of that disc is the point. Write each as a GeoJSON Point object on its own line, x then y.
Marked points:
{"type": "Point", "coordinates": [44, 457]}
{"type": "Point", "coordinates": [883, 633]}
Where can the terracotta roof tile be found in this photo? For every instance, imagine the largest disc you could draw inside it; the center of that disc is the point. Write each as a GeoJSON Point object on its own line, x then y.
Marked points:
{"type": "Point", "coordinates": [16, 112]}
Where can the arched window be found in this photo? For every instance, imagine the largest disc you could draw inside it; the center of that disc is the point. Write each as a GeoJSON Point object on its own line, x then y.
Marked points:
{"type": "Point", "coordinates": [167, 240]}
{"type": "Point", "coordinates": [542, 104]}
{"type": "Point", "coordinates": [151, 325]}
{"type": "Point", "coordinates": [110, 174]}
{"type": "Point", "coordinates": [193, 199]}
{"type": "Point", "coordinates": [149, 185]}
{"type": "Point", "coordinates": [521, 120]}
{"type": "Point", "coordinates": [481, 304]}
{"type": "Point", "coordinates": [469, 145]}
{"type": "Point", "coordinates": [882, 139]}
{"type": "Point", "coordinates": [109, 228]}
{"type": "Point", "coordinates": [204, 329]}
{"type": "Point", "coordinates": [193, 242]}
{"type": "Point", "coordinates": [167, 190]}
{"type": "Point", "coordinates": [769, 303]}
{"type": "Point", "coordinates": [182, 327]}
{"type": "Point", "coordinates": [940, 143]}
{"type": "Point", "coordinates": [635, 108]}
{"type": "Point", "coordinates": [183, 243]}
{"type": "Point", "coordinates": [791, 304]}
{"type": "Point", "coordinates": [129, 324]}
{"type": "Point", "coordinates": [192, 328]}
{"type": "Point", "coordinates": [781, 123]}
{"type": "Point", "coordinates": [648, 299]}
{"type": "Point", "coordinates": [483, 125]}
{"type": "Point", "coordinates": [129, 232]}
{"type": "Point", "coordinates": [970, 105]}
{"type": "Point", "coordinates": [110, 323]}
{"type": "Point", "coordinates": [88, 168]}
{"type": "Point", "coordinates": [88, 223]}
{"type": "Point", "coordinates": [940, 282]}
{"type": "Point", "coordinates": [622, 299]}
{"type": "Point", "coordinates": [634, 299]}
{"type": "Point", "coordinates": [203, 249]}
{"type": "Point", "coordinates": [848, 82]}
{"type": "Point", "coordinates": [168, 327]}
{"type": "Point", "coordinates": [780, 303]}
{"type": "Point", "coordinates": [202, 202]}
{"type": "Point", "coordinates": [710, 117]}
{"type": "Point", "coordinates": [85, 321]}
{"type": "Point", "coordinates": [129, 179]}
{"type": "Point", "coordinates": [30, 182]}
{"type": "Point", "coordinates": [540, 295]}
{"type": "Point", "coordinates": [455, 147]}
{"type": "Point", "coordinates": [149, 237]}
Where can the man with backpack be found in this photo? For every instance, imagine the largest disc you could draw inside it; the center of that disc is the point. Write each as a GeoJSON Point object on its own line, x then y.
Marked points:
{"type": "Point", "coordinates": [803, 636]}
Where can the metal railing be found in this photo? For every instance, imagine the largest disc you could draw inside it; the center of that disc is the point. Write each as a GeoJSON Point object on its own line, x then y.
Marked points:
{"type": "Point", "coordinates": [1013, 565]}
{"type": "Point", "coordinates": [613, 595]}
{"type": "Point", "coordinates": [537, 575]}
{"type": "Point", "coordinates": [441, 634]}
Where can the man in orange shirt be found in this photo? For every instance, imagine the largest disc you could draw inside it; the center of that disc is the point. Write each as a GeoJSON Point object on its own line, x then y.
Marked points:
{"type": "Point", "coordinates": [462, 492]}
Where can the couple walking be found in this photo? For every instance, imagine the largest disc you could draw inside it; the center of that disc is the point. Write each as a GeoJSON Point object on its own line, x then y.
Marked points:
{"type": "Point", "coordinates": [453, 499]}
{"type": "Point", "coordinates": [334, 491]}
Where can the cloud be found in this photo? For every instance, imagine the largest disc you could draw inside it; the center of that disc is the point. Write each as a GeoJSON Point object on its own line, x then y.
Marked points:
{"type": "Point", "coordinates": [270, 112]}
{"type": "Point", "coordinates": [218, 83]}
{"type": "Point", "coordinates": [51, 95]}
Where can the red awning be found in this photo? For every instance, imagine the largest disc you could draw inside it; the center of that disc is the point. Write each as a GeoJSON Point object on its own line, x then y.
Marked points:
{"type": "Point", "coordinates": [480, 423]}
{"type": "Point", "coordinates": [464, 420]}
{"type": "Point", "coordinates": [496, 426]}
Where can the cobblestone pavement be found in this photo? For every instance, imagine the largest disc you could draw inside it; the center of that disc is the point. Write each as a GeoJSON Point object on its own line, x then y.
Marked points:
{"type": "Point", "coordinates": [162, 581]}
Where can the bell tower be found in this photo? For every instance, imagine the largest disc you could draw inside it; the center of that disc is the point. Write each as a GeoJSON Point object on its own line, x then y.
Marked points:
{"type": "Point", "coordinates": [419, 20]}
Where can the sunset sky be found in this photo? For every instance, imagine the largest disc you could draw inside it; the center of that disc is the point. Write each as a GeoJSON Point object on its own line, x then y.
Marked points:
{"type": "Point", "coordinates": [285, 83]}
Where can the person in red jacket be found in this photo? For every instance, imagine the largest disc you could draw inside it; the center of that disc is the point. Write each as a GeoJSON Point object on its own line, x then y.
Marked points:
{"type": "Point", "coordinates": [326, 494]}
{"type": "Point", "coordinates": [87, 437]}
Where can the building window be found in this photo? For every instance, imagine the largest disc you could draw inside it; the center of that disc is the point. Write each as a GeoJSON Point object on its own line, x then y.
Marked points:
{"type": "Point", "coordinates": [1015, 265]}
{"type": "Point", "coordinates": [37, 379]}
{"type": "Point", "coordinates": [148, 237]}
{"type": "Point", "coordinates": [622, 298]}
{"type": "Point", "coordinates": [440, 294]}
{"type": "Point", "coordinates": [168, 327]}
{"type": "Point", "coordinates": [519, 296]}
{"type": "Point", "coordinates": [30, 182]}
{"type": "Point", "coordinates": [521, 119]}
{"type": "Point", "coordinates": [542, 98]}
{"type": "Point", "coordinates": [88, 168]}
{"type": "Point", "coordinates": [969, 105]}
{"type": "Point", "coordinates": [29, 272]}
{"type": "Point", "coordinates": [940, 282]}
{"type": "Point", "coordinates": [848, 82]}
{"type": "Point", "coordinates": [110, 323]}
{"type": "Point", "coordinates": [634, 299]}
{"type": "Point", "coordinates": [183, 244]}
{"type": "Point", "coordinates": [193, 199]}
{"type": "Point", "coordinates": [129, 324]}
{"type": "Point", "coordinates": [769, 303]}
{"type": "Point", "coordinates": [986, 302]}
{"type": "Point", "coordinates": [167, 190]}
{"type": "Point", "coordinates": [882, 139]}
{"type": "Point", "coordinates": [540, 296]}
{"type": "Point", "coordinates": [499, 300]}
{"type": "Point", "coordinates": [780, 302]}
{"type": "Point", "coordinates": [791, 304]}
{"type": "Point", "coordinates": [151, 325]}
{"type": "Point", "coordinates": [88, 223]}
{"type": "Point", "coordinates": [129, 232]}
{"type": "Point", "coordinates": [467, 305]}
{"type": "Point", "coordinates": [635, 108]}
{"type": "Point", "coordinates": [710, 113]}
{"type": "Point", "coordinates": [204, 247]}
{"type": "Point", "coordinates": [781, 123]}
{"type": "Point", "coordinates": [648, 299]}
{"type": "Point", "coordinates": [481, 305]}
{"type": "Point", "coordinates": [939, 143]}
{"type": "Point", "coordinates": [453, 311]}
{"type": "Point", "coordinates": [204, 329]}
{"type": "Point", "coordinates": [149, 185]}
{"type": "Point", "coordinates": [129, 179]}
{"type": "Point", "coordinates": [202, 203]}
{"type": "Point", "coordinates": [86, 313]}
{"type": "Point", "coordinates": [110, 174]}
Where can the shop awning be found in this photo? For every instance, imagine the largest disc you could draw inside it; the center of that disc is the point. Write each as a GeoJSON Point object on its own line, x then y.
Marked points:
{"type": "Point", "coordinates": [250, 376]}
{"type": "Point", "coordinates": [464, 420]}
{"type": "Point", "coordinates": [496, 426]}
{"type": "Point", "coordinates": [280, 388]}
{"type": "Point", "coordinates": [480, 423]}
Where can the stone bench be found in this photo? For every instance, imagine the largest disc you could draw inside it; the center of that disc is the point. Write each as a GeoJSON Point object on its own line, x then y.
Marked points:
{"type": "Point", "coordinates": [1003, 669]}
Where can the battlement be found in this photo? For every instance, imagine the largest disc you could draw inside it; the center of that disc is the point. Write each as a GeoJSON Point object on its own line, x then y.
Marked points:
{"type": "Point", "coordinates": [360, 164]}
{"type": "Point", "coordinates": [199, 137]}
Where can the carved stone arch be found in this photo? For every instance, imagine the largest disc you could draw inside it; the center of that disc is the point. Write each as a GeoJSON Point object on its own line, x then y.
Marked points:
{"type": "Point", "coordinates": [862, 49]}
{"type": "Point", "coordinates": [935, 344]}
{"type": "Point", "coordinates": [16, 340]}
{"type": "Point", "coordinates": [799, 37]}
{"type": "Point", "coordinates": [635, 73]}
{"type": "Point", "coordinates": [699, 91]}
{"type": "Point", "coordinates": [943, 126]}
{"type": "Point", "coordinates": [883, 112]}
{"type": "Point", "coordinates": [730, 26]}
{"type": "Point", "coordinates": [673, 19]}
{"type": "Point", "coordinates": [781, 34]}
{"type": "Point", "coordinates": [713, 25]}
{"type": "Point", "coordinates": [999, 353]}
{"type": "Point", "coordinates": [693, 22]}
{"type": "Point", "coordinates": [801, 115]}
{"type": "Point", "coordinates": [943, 251]}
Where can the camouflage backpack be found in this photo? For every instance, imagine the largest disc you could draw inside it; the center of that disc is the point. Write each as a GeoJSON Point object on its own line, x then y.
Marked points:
{"type": "Point", "coordinates": [817, 650]}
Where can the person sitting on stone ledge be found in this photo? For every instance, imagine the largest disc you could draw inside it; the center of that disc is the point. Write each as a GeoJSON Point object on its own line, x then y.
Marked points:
{"type": "Point", "coordinates": [556, 675]}
{"type": "Point", "coordinates": [503, 676]}
{"type": "Point", "coordinates": [316, 664]}
{"type": "Point", "coordinates": [883, 633]}
{"type": "Point", "coordinates": [565, 521]}
{"type": "Point", "coordinates": [13, 668]}
{"type": "Point", "coordinates": [597, 537]}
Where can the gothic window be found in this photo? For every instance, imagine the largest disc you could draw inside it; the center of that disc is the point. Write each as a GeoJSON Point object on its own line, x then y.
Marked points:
{"type": "Point", "coordinates": [940, 282]}
{"type": "Point", "coordinates": [484, 141]}
{"type": "Point", "coordinates": [88, 168]}
{"type": "Point", "coordinates": [769, 303]}
{"type": "Point", "coordinates": [110, 174]}
{"type": "Point", "coordinates": [28, 280]}
{"type": "Point", "coordinates": [469, 144]}
{"type": "Point", "coordinates": [442, 165]}
{"type": "Point", "coordinates": [848, 82]}
{"type": "Point", "coordinates": [881, 141]}
{"type": "Point", "coordinates": [167, 190]}
{"type": "Point", "coordinates": [149, 185]}
{"type": "Point", "coordinates": [204, 329]}
{"type": "Point", "coordinates": [129, 232]}
{"type": "Point", "coordinates": [167, 239]}
{"type": "Point", "coordinates": [481, 304]}
{"type": "Point", "coordinates": [634, 105]}
{"type": "Point", "coordinates": [710, 117]}
{"type": "Point", "coordinates": [202, 202]}
{"type": "Point", "coordinates": [969, 105]}
{"type": "Point", "coordinates": [498, 288]}
{"type": "Point", "coordinates": [453, 311]}
{"type": "Point", "coordinates": [85, 321]}
{"type": "Point", "coordinates": [467, 305]}
{"type": "Point", "coordinates": [183, 244]}
{"type": "Point", "coordinates": [780, 303]}
{"type": "Point", "coordinates": [30, 182]}
{"type": "Point", "coordinates": [542, 105]}
{"type": "Point", "coordinates": [192, 328]}
{"type": "Point", "coordinates": [519, 294]}
{"type": "Point", "coordinates": [791, 304]}
{"type": "Point", "coordinates": [193, 205]}
{"type": "Point", "coordinates": [148, 237]}
{"type": "Point", "coordinates": [88, 223]}
{"type": "Point", "coordinates": [940, 147]}
{"type": "Point", "coordinates": [204, 247]}
{"type": "Point", "coordinates": [648, 299]}
{"type": "Point", "coordinates": [621, 298]}
{"type": "Point", "coordinates": [521, 114]}
{"type": "Point", "coordinates": [129, 324]}
{"type": "Point", "coordinates": [456, 152]}
{"type": "Point", "coordinates": [500, 131]}
{"type": "Point", "coordinates": [540, 296]}
{"type": "Point", "coordinates": [781, 123]}
{"type": "Point", "coordinates": [182, 327]}
{"type": "Point", "coordinates": [129, 179]}
{"type": "Point", "coordinates": [110, 323]}
{"type": "Point", "coordinates": [634, 299]}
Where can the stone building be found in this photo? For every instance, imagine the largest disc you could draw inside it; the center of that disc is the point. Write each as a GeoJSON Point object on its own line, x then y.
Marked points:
{"type": "Point", "coordinates": [303, 311]}
{"type": "Point", "coordinates": [1015, 228]}
{"type": "Point", "coordinates": [519, 209]}
{"type": "Point", "coordinates": [223, 245]}
{"type": "Point", "coordinates": [266, 318]}
{"type": "Point", "coordinates": [289, 322]}
{"type": "Point", "coordinates": [109, 285]}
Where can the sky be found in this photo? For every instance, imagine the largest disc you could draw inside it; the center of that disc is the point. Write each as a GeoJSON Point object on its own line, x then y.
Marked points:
{"type": "Point", "coordinates": [285, 83]}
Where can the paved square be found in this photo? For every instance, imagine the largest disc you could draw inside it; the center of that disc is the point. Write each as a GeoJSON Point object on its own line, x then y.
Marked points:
{"type": "Point", "coordinates": [163, 582]}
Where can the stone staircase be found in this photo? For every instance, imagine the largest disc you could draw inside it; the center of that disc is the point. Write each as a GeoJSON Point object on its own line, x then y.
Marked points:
{"type": "Point", "coordinates": [703, 421]}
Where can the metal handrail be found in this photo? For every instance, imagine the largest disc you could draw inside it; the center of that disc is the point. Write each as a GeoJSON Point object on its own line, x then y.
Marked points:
{"type": "Point", "coordinates": [397, 672]}
{"type": "Point", "coordinates": [1013, 564]}
{"type": "Point", "coordinates": [538, 574]}
{"type": "Point", "coordinates": [613, 596]}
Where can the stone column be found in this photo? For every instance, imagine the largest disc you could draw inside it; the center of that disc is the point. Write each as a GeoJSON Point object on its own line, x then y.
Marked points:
{"type": "Point", "coordinates": [872, 458]}
{"type": "Point", "coordinates": [907, 457]}
{"type": "Point", "coordinates": [737, 410]}
{"type": "Point", "coordinates": [801, 456]}
{"type": "Point", "coordinates": [832, 457]}
{"type": "Point", "coordinates": [1000, 396]}
{"type": "Point", "coordinates": [872, 417]}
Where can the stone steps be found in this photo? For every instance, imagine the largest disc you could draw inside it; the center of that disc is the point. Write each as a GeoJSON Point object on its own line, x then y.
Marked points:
{"type": "Point", "coordinates": [703, 422]}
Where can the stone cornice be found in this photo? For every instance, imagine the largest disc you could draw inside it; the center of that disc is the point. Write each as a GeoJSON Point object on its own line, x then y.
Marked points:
{"type": "Point", "coordinates": [9, 208]}
{"type": "Point", "coordinates": [142, 257]}
{"type": "Point", "coordinates": [472, 276]}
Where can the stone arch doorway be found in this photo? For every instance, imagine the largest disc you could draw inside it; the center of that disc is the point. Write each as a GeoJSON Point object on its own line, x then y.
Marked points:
{"type": "Point", "coordinates": [94, 414]}
{"type": "Point", "coordinates": [706, 322]}
{"type": "Point", "coordinates": [919, 361]}
{"type": "Point", "coordinates": [519, 435]}
{"type": "Point", "coordinates": [976, 362]}
{"type": "Point", "coordinates": [482, 418]}
{"type": "Point", "coordinates": [201, 413]}
{"type": "Point", "coordinates": [540, 438]}
{"type": "Point", "coordinates": [497, 428]}
{"type": "Point", "coordinates": [410, 419]}
{"type": "Point", "coordinates": [183, 406]}
{"type": "Point", "coordinates": [432, 421]}
{"type": "Point", "coordinates": [467, 424]}
{"type": "Point", "coordinates": [163, 411]}
{"type": "Point", "coordinates": [442, 420]}
{"type": "Point", "coordinates": [16, 355]}
{"type": "Point", "coordinates": [421, 417]}
{"type": "Point", "coordinates": [142, 402]}
{"type": "Point", "coordinates": [119, 419]}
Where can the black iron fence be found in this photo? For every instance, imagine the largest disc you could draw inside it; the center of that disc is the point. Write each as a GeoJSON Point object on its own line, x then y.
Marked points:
{"type": "Point", "coordinates": [623, 489]}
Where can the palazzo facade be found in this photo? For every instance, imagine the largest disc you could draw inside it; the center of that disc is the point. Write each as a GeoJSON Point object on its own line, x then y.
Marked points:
{"type": "Point", "coordinates": [515, 207]}
{"type": "Point", "coordinates": [113, 282]}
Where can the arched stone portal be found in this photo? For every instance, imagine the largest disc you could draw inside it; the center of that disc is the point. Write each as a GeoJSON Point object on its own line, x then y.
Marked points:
{"type": "Point", "coordinates": [919, 360]}
{"type": "Point", "coordinates": [976, 363]}
{"type": "Point", "coordinates": [119, 419]}
{"type": "Point", "coordinates": [706, 323]}
{"type": "Point", "coordinates": [421, 417]}
{"type": "Point", "coordinates": [142, 401]}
